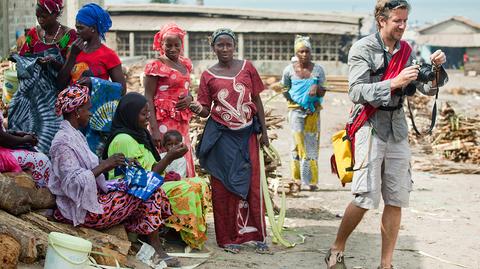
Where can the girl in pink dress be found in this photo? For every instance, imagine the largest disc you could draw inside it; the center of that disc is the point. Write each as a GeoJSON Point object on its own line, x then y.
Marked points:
{"type": "Point", "coordinates": [167, 85]}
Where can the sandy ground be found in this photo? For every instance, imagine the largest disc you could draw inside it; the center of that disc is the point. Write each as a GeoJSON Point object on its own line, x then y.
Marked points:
{"type": "Point", "coordinates": [441, 227]}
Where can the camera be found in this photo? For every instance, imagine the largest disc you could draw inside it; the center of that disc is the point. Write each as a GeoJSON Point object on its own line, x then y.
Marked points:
{"type": "Point", "coordinates": [425, 74]}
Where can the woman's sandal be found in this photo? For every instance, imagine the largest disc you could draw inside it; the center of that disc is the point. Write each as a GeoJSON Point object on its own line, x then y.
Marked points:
{"type": "Point", "coordinates": [232, 248]}
{"type": "Point", "coordinates": [170, 262]}
{"type": "Point", "coordinates": [262, 248]}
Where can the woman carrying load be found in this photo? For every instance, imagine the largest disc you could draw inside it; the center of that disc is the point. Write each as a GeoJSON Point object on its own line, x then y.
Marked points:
{"type": "Point", "coordinates": [303, 81]}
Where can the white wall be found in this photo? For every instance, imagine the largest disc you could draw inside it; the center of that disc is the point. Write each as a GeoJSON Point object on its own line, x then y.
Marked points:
{"type": "Point", "coordinates": [275, 68]}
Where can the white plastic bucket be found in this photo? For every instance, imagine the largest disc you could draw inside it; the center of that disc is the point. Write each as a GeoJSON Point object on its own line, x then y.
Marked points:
{"type": "Point", "coordinates": [67, 252]}
{"type": "Point", "coordinates": [10, 85]}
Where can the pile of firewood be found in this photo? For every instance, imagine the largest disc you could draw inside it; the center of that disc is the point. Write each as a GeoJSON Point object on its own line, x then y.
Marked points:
{"type": "Point", "coordinates": [24, 233]}
{"type": "Point", "coordinates": [134, 77]}
{"type": "Point", "coordinates": [455, 137]}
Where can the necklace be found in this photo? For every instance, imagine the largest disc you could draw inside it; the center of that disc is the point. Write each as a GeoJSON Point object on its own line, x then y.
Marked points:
{"type": "Point", "coordinates": [54, 37]}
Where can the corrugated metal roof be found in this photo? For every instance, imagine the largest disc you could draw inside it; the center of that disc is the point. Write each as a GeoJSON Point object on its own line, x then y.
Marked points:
{"type": "Point", "coordinates": [454, 18]}
{"type": "Point", "coordinates": [455, 41]}
{"type": "Point", "coordinates": [339, 17]}
{"type": "Point", "coordinates": [195, 24]}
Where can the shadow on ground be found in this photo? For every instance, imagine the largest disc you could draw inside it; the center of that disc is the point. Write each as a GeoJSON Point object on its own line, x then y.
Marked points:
{"type": "Point", "coordinates": [362, 252]}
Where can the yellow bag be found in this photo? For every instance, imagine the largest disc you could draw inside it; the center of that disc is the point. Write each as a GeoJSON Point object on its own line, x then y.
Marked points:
{"type": "Point", "coordinates": [341, 160]}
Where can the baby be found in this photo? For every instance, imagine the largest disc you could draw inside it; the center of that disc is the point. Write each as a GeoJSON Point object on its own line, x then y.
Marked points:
{"type": "Point", "coordinates": [179, 166]}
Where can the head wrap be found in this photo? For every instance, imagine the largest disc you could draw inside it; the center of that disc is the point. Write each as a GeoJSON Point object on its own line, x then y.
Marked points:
{"type": "Point", "coordinates": [167, 29]}
{"type": "Point", "coordinates": [222, 31]}
{"type": "Point", "coordinates": [52, 6]}
{"type": "Point", "coordinates": [94, 15]}
{"type": "Point", "coordinates": [302, 41]}
{"type": "Point", "coordinates": [125, 120]}
{"type": "Point", "coordinates": [71, 98]}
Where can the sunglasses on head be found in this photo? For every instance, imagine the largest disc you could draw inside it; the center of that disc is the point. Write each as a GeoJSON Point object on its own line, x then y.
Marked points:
{"type": "Point", "coordinates": [395, 3]}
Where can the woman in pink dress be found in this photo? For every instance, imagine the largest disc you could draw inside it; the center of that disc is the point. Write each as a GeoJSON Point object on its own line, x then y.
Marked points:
{"type": "Point", "coordinates": [167, 85]}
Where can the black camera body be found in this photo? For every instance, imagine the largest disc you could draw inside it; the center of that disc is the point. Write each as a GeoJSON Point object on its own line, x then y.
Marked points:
{"type": "Point", "coordinates": [425, 74]}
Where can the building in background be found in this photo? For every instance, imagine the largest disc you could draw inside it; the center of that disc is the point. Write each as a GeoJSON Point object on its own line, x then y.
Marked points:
{"type": "Point", "coordinates": [458, 37]}
{"type": "Point", "coordinates": [264, 36]}
{"type": "Point", "coordinates": [70, 10]}
{"type": "Point", "coordinates": [15, 15]}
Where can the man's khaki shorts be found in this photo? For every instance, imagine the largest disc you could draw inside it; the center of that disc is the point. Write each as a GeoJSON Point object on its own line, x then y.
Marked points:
{"type": "Point", "coordinates": [384, 170]}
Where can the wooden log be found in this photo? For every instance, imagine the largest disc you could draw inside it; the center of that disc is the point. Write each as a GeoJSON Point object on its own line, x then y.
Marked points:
{"type": "Point", "coordinates": [109, 257]}
{"type": "Point", "coordinates": [10, 250]}
{"type": "Point", "coordinates": [19, 194]}
{"type": "Point", "coordinates": [101, 241]}
{"type": "Point", "coordinates": [33, 241]}
{"type": "Point", "coordinates": [15, 198]}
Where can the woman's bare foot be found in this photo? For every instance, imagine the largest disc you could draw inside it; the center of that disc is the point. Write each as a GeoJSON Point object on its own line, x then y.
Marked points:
{"type": "Point", "coordinates": [162, 256]}
{"type": "Point", "coordinates": [154, 241]}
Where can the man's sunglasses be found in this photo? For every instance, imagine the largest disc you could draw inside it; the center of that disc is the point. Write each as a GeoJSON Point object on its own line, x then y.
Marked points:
{"type": "Point", "coordinates": [396, 3]}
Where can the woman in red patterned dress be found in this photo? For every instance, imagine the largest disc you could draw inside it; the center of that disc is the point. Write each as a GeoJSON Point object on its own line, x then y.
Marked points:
{"type": "Point", "coordinates": [229, 93]}
{"type": "Point", "coordinates": [167, 84]}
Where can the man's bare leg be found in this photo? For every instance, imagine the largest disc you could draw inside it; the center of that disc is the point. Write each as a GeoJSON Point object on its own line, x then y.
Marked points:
{"type": "Point", "coordinates": [390, 226]}
{"type": "Point", "coordinates": [352, 217]}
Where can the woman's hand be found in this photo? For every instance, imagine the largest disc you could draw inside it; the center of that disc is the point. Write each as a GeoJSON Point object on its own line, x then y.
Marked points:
{"type": "Point", "coordinates": [30, 139]}
{"type": "Point", "coordinates": [77, 47]}
{"type": "Point", "coordinates": [45, 60]}
{"type": "Point", "coordinates": [313, 90]}
{"type": "Point", "coordinates": [85, 81]}
{"type": "Point", "coordinates": [117, 159]}
{"type": "Point", "coordinates": [176, 152]}
{"type": "Point", "coordinates": [183, 102]}
{"type": "Point", "coordinates": [157, 137]}
{"type": "Point", "coordinates": [264, 139]}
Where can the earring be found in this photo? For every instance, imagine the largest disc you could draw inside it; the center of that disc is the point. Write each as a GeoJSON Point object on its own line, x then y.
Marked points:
{"type": "Point", "coordinates": [78, 116]}
{"type": "Point", "coordinates": [93, 31]}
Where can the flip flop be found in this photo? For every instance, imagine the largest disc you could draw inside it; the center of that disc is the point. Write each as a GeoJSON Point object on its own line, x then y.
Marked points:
{"type": "Point", "coordinates": [174, 262]}
{"type": "Point", "coordinates": [262, 248]}
{"type": "Point", "coordinates": [232, 248]}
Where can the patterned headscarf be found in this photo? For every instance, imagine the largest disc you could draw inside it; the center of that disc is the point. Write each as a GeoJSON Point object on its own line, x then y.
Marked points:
{"type": "Point", "coordinates": [72, 97]}
{"type": "Point", "coordinates": [52, 6]}
{"type": "Point", "coordinates": [302, 41]}
{"type": "Point", "coordinates": [222, 31]}
{"type": "Point", "coordinates": [167, 29]}
{"type": "Point", "coordinates": [94, 15]}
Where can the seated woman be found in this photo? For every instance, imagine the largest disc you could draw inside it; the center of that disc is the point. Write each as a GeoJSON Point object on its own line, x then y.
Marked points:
{"type": "Point", "coordinates": [80, 187]}
{"type": "Point", "coordinates": [189, 197]}
{"type": "Point", "coordinates": [15, 155]}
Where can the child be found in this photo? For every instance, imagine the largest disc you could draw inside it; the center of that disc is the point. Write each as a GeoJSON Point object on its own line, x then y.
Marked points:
{"type": "Point", "coordinates": [170, 139]}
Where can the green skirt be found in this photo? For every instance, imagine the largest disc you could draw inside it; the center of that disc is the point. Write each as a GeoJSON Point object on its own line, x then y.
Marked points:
{"type": "Point", "coordinates": [190, 199]}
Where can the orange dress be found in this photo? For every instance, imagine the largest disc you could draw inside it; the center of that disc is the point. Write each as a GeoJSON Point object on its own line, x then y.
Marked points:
{"type": "Point", "coordinates": [171, 84]}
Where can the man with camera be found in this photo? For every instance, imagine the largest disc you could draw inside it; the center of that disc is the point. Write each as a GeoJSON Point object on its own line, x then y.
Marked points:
{"type": "Point", "coordinates": [381, 73]}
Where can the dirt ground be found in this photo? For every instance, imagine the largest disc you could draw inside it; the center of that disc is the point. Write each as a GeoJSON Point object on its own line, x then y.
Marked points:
{"type": "Point", "coordinates": [440, 229]}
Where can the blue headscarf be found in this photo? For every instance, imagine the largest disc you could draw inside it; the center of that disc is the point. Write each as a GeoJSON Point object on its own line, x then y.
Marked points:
{"type": "Point", "coordinates": [94, 15]}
